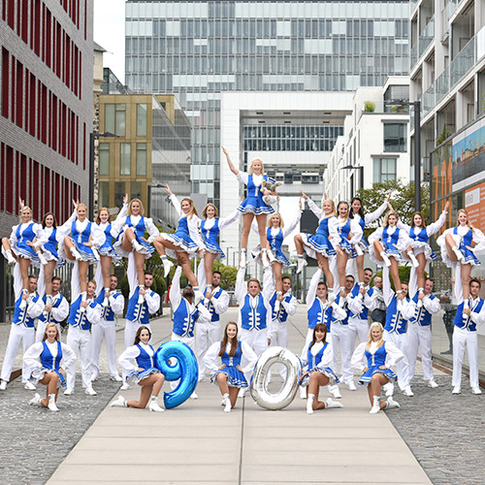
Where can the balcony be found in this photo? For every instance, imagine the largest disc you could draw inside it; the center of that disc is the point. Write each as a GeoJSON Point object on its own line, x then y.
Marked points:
{"type": "Point", "coordinates": [424, 40]}
{"type": "Point", "coordinates": [463, 62]}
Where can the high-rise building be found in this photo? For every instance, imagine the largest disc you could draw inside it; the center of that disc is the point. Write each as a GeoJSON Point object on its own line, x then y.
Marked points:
{"type": "Point", "coordinates": [198, 50]}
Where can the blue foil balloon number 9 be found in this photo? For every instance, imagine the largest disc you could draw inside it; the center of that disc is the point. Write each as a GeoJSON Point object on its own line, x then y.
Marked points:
{"type": "Point", "coordinates": [184, 368]}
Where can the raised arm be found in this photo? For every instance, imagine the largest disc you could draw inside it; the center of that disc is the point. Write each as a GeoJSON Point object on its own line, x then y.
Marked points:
{"type": "Point", "coordinates": [232, 167]}
{"type": "Point", "coordinates": [292, 226]}
{"type": "Point", "coordinates": [175, 295]}
{"type": "Point", "coordinates": [176, 203]}
{"type": "Point", "coordinates": [373, 216]}
{"type": "Point", "coordinates": [240, 289]}
{"type": "Point", "coordinates": [268, 283]}
{"type": "Point", "coordinates": [386, 286]}
{"type": "Point", "coordinates": [434, 227]}
{"type": "Point", "coordinates": [312, 288]}
{"type": "Point", "coordinates": [227, 221]}
{"type": "Point", "coordinates": [314, 208]}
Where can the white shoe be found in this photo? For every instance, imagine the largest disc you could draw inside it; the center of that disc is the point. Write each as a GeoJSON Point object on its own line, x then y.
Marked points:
{"type": "Point", "coordinates": [270, 255]}
{"type": "Point", "coordinates": [432, 383]}
{"type": "Point", "coordinates": [3, 385]}
{"type": "Point", "coordinates": [331, 297]}
{"type": "Point", "coordinates": [335, 392]}
{"type": "Point", "coordinates": [137, 246]}
{"type": "Point", "coordinates": [52, 403]}
{"type": "Point", "coordinates": [96, 254]}
{"type": "Point", "coordinates": [386, 260]}
{"type": "Point", "coordinates": [68, 392]}
{"type": "Point", "coordinates": [242, 261]}
{"type": "Point", "coordinates": [94, 377]}
{"type": "Point", "coordinates": [332, 404]}
{"type": "Point", "coordinates": [309, 403]}
{"type": "Point", "coordinates": [351, 386]}
{"type": "Point", "coordinates": [10, 258]}
{"type": "Point", "coordinates": [375, 407]}
{"type": "Point", "coordinates": [456, 390]}
{"type": "Point", "coordinates": [459, 254]}
{"type": "Point", "coordinates": [227, 404]}
{"type": "Point", "coordinates": [153, 406]}
{"type": "Point", "coordinates": [90, 391]}
{"type": "Point", "coordinates": [125, 386]}
{"type": "Point", "coordinates": [408, 392]}
{"type": "Point", "coordinates": [264, 258]}
{"type": "Point", "coordinates": [391, 404]}
{"type": "Point", "coordinates": [476, 390]}
{"type": "Point", "coordinates": [302, 392]}
{"type": "Point", "coordinates": [198, 296]}
{"type": "Point", "coordinates": [35, 401]}
{"type": "Point", "coordinates": [42, 259]}
{"type": "Point", "coordinates": [415, 262]}
{"type": "Point", "coordinates": [358, 250]}
{"type": "Point", "coordinates": [301, 263]}
{"type": "Point", "coordinates": [120, 402]}
{"type": "Point", "coordinates": [29, 386]}
{"type": "Point", "coordinates": [116, 378]}
{"type": "Point", "coordinates": [76, 254]}
{"type": "Point", "coordinates": [194, 396]}
{"type": "Point", "coordinates": [389, 388]}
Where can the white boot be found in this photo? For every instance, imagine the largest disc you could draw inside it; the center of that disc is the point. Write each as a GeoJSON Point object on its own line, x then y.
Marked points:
{"type": "Point", "coordinates": [459, 254]}
{"type": "Point", "coordinates": [309, 403]}
{"type": "Point", "coordinates": [137, 246]}
{"type": "Point", "coordinates": [413, 259]}
{"type": "Point", "coordinates": [242, 261]}
{"type": "Point", "coordinates": [106, 300]}
{"type": "Point", "coordinates": [153, 406]}
{"type": "Point", "coordinates": [76, 254]}
{"type": "Point", "coordinates": [391, 404]}
{"type": "Point", "coordinates": [227, 404]}
{"type": "Point", "coordinates": [10, 258]}
{"type": "Point", "coordinates": [386, 260]}
{"type": "Point", "coordinates": [302, 262]}
{"type": "Point", "coordinates": [264, 258]}
{"type": "Point", "coordinates": [358, 250]}
{"type": "Point", "coordinates": [141, 298]}
{"type": "Point", "coordinates": [376, 406]}
{"type": "Point", "coordinates": [83, 298]}
{"type": "Point", "coordinates": [52, 403]}
{"type": "Point", "coordinates": [96, 253]}
{"type": "Point", "coordinates": [35, 401]}
{"type": "Point", "coordinates": [332, 404]}
{"type": "Point", "coordinates": [270, 255]}
{"type": "Point", "coordinates": [166, 266]}
{"type": "Point", "coordinates": [3, 385]}
{"type": "Point", "coordinates": [302, 392]}
{"type": "Point", "coordinates": [42, 259]}
{"type": "Point", "coordinates": [23, 303]}
{"type": "Point", "coordinates": [120, 402]}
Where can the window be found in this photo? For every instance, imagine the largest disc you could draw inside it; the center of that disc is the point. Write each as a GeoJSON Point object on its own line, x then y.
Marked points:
{"type": "Point", "coordinates": [120, 192]}
{"type": "Point", "coordinates": [104, 159]}
{"type": "Point", "coordinates": [115, 118]}
{"type": "Point", "coordinates": [141, 120]}
{"type": "Point", "coordinates": [384, 169]}
{"type": "Point", "coordinates": [103, 194]}
{"type": "Point", "coordinates": [136, 190]}
{"type": "Point", "coordinates": [125, 159]}
{"type": "Point", "coordinates": [141, 158]}
{"type": "Point", "coordinates": [395, 137]}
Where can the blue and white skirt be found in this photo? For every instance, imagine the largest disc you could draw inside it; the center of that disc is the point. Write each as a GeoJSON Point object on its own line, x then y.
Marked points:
{"type": "Point", "coordinates": [367, 376]}
{"type": "Point", "coordinates": [148, 249]}
{"type": "Point", "coordinates": [214, 248]}
{"type": "Point", "coordinates": [136, 376]}
{"type": "Point", "coordinates": [254, 205]}
{"type": "Point", "coordinates": [326, 371]}
{"type": "Point", "coordinates": [319, 244]}
{"type": "Point", "coordinates": [23, 250]}
{"type": "Point", "coordinates": [85, 251]}
{"type": "Point", "coordinates": [235, 378]}
{"type": "Point", "coordinates": [38, 375]}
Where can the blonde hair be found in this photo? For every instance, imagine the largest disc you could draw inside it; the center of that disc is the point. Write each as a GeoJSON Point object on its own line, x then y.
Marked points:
{"type": "Point", "coordinates": [270, 220]}
{"type": "Point", "coordinates": [25, 209]}
{"type": "Point", "coordinates": [192, 210]}
{"type": "Point", "coordinates": [250, 171]}
{"type": "Point", "coordinates": [142, 209]}
{"type": "Point", "coordinates": [381, 340]}
{"type": "Point", "coordinates": [82, 205]}
{"type": "Point", "coordinates": [334, 211]}
{"type": "Point", "coordinates": [386, 219]}
{"type": "Point", "coordinates": [464, 211]}
{"type": "Point", "coordinates": [98, 220]}
{"type": "Point", "coordinates": [50, 325]}
{"type": "Point", "coordinates": [204, 211]}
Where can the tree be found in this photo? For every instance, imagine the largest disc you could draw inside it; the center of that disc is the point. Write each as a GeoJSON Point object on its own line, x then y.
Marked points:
{"type": "Point", "coordinates": [402, 200]}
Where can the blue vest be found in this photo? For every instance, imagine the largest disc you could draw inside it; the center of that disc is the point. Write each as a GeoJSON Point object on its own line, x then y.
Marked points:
{"type": "Point", "coordinates": [344, 230]}
{"type": "Point", "coordinates": [232, 361]}
{"type": "Point", "coordinates": [20, 317]}
{"type": "Point", "coordinates": [313, 361]}
{"type": "Point", "coordinates": [323, 228]}
{"type": "Point", "coordinates": [139, 228]}
{"type": "Point", "coordinates": [82, 237]}
{"type": "Point", "coordinates": [138, 312]}
{"type": "Point", "coordinates": [282, 314]}
{"type": "Point", "coordinates": [51, 244]}
{"type": "Point", "coordinates": [317, 313]}
{"type": "Point", "coordinates": [466, 240]}
{"type": "Point", "coordinates": [49, 318]}
{"type": "Point", "coordinates": [46, 358]}
{"type": "Point", "coordinates": [394, 320]}
{"type": "Point", "coordinates": [255, 190]}
{"type": "Point", "coordinates": [210, 235]}
{"type": "Point", "coordinates": [364, 314]}
{"type": "Point", "coordinates": [215, 317]}
{"type": "Point", "coordinates": [107, 314]}
{"type": "Point", "coordinates": [26, 235]}
{"type": "Point", "coordinates": [378, 358]}
{"type": "Point", "coordinates": [183, 320]}
{"type": "Point", "coordinates": [276, 241]}
{"type": "Point", "coordinates": [77, 318]}
{"type": "Point", "coordinates": [417, 234]}
{"type": "Point", "coordinates": [144, 360]}
{"type": "Point", "coordinates": [421, 315]}
{"type": "Point", "coordinates": [464, 321]}
{"type": "Point", "coordinates": [253, 318]}
{"type": "Point", "coordinates": [391, 239]}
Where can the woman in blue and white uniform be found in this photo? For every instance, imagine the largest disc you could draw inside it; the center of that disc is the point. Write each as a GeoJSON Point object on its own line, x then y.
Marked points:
{"type": "Point", "coordinates": [254, 205]}
{"type": "Point", "coordinates": [387, 244]}
{"type": "Point", "coordinates": [184, 242]}
{"type": "Point", "coordinates": [419, 233]}
{"type": "Point", "coordinates": [210, 227]}
{"type": "Point", "coordinates": [356, 212]}
{"type": "Point", "coordinates": [229, 361]}
{"type": "Point", "coordinates": [19, 248]}
{"type": "Point", "coordinates": [375, 357]}
{"type": "Point", "coordinates": [138, 364]}
{"type": "Point", "coordinates": [317, 358]}
{"type": "Point", "coordinates": [104, 233]}
{"type": "Point", "coordinates": [46, 359]}
{"type": "Point", "coordinates": [319, 246]}
{"type": "Point", "coordinates": [456, 250]}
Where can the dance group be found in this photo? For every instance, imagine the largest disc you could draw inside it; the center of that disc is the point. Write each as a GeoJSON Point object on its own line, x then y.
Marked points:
{"type": "Point", "coordinates": [338, 311]}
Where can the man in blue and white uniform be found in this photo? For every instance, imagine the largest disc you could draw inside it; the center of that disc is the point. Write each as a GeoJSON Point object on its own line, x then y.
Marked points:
{"type": "Point", "coordinates": [22, 328]}
{"type": "Point", "coordinates": [419, 312]}
{"type": "Point", "coordinates": [465, 334]}
{"type": "Point", "coordinates": [106, 328]}
{"type": "Point", "coordinates": [208, 329]}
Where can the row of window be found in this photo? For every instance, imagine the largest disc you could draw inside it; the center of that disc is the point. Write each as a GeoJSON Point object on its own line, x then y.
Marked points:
{"type": "Point", "coordinates": [115, 119]}
{"type": "Point", "coordinates": [125, 159]}
{"type": "Point", "coordinates": [289, 145]}
{"type": "Point", "coordinates": [72, 8]}
{"type": "Point", "coordinates": [42, 189]}
{"type": "Point", "coordinates": [48, 39]}
{"type": "Point", "coordinates": [133, 189]}
{"type": "Point", "coordinates": [29, 104]}
{"type": "Point", "coordinates": [292, 131]}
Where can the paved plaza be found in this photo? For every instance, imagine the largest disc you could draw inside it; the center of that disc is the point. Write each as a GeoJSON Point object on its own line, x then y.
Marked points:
{"type": "Point", "coordinates": [434, 437]}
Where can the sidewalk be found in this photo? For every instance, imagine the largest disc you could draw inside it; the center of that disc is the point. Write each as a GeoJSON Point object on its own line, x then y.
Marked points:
{"type": "Point", "coordinates": [199, 443]}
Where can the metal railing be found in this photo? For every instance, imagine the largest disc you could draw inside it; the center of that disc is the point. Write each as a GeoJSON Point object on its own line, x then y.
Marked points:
{"type": "Point", "coordinates": [463, 62]}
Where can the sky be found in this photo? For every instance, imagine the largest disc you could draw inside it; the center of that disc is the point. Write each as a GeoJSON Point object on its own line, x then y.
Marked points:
{"type": "Point", "coordinates": [109, 33]}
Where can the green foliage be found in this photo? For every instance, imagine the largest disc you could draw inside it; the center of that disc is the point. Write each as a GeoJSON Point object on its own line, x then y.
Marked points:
{"type": "Point", "coordinates": [404, 275]}
{"type": "Point", "coordinates": [369, 106]}
{"type": "Point", "coordinates": [443, 137]}
{"type": "Point", "coordinates": [402, 200]}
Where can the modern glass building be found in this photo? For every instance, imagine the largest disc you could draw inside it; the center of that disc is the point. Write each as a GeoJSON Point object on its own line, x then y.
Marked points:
{"type": "Point", "coordinates": [197, 50]}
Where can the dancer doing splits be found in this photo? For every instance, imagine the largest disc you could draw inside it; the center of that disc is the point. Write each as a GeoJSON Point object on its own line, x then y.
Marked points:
{"type": "Point", "coordinates": [138, 365]}
{"type": "Point", "coordinates": [375, 357]}
{"type": "Point", "coordinates": [46, 360]}
{"type": "Point", "coordinates": [237, 359]}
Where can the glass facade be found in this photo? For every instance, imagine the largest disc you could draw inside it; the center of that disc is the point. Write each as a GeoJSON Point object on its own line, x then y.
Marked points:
{"type": "Point", "coordinates": [196, 50]}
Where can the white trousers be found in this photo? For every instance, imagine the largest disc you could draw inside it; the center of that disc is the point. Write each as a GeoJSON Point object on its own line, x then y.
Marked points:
{"type": "Point", "coordinates": [80, 341]}
{"type": "Point", "coordinates": [39, 333]}
{"type": "Point", "coordinates": [280, 338]}
{"type": "Point", "coordinates": [18, 334]}
{"type": "Point", "coordinates": [419, 336]}
{"type": "Point", "coordinates": [461, 338]}
{"type": "Point", "coordinates": [190, 341]}
{"type": "Point", "coordinates": [130, 331]}
{"type": "Point", "coordinates": [107, 330]}
{"type": "Point", "coordinates": [206, 334]}
{"type": "Point", "coordinates": [400, 340]}
{"type": "Point", "coordinates": [341, 336]}
{"type": "Point", "coordinates": [358, 328]}
{"type": "Point", "coordinates": [256, 339]}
